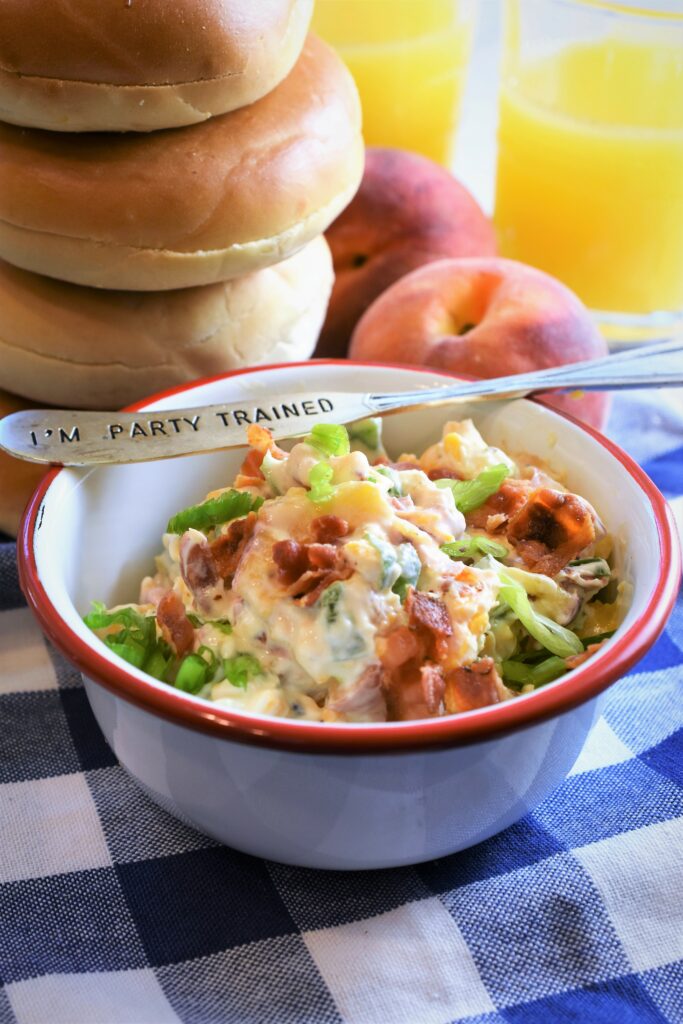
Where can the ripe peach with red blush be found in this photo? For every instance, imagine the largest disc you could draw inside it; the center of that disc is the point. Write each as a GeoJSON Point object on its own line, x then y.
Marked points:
{"type": "Point", "coordinates": [408, 211]}
{"type": "Point", "coordinates": [484, 318]}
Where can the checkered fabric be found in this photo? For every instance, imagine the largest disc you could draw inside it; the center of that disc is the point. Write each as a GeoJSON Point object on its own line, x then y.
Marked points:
{"type": "Point", "coordinates": [112, 912]}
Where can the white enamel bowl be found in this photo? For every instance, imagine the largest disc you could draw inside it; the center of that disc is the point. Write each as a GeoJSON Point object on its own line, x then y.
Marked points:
{"type": "Point", "coordinates": [334, 796]}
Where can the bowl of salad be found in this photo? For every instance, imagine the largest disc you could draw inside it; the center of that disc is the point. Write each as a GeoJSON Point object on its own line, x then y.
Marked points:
{"type": "Point", "coordinates": [366, 646]}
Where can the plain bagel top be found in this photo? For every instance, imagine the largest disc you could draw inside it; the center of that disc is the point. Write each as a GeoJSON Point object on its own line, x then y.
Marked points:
{"type": "Point", "coordinates": [78, 65]}
{"type": "Point", "coordinates": [188, 205]}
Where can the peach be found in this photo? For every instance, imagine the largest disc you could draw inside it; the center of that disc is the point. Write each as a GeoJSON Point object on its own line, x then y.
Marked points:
{"type": "Point", "coordinates": [484, 318]}
{"type": "Point", "coordinates": [407, 212]}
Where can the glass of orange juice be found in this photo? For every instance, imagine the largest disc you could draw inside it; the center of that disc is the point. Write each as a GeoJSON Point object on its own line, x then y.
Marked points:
{"type": "Point", "coordinates": [409, 59]}
{"type": "Point", "coordinates": [590, 156]}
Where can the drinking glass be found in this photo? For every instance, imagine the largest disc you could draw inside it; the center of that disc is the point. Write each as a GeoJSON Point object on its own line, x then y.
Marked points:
{"type": "Point", "coordinates": [590, 159]}
{"type": "Point", "coordinates": [409, 59]}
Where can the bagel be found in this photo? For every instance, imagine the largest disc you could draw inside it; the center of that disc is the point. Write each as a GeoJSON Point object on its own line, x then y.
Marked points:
{"type": "Point", "coordinates": [186, 206]}
{"type": "Point", "coordinates": [88, 65]}
{"type": "Point", "coordinates": [64, 345]}
{"type": "Point", "coordinates": [18, 479]}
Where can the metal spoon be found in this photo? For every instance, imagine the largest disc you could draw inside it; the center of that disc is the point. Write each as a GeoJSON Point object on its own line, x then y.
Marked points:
{"type": "Point", "coordinates": [77, 438]}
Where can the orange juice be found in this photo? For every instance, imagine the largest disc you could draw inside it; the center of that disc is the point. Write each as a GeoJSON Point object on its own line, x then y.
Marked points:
{"type": "Point", "coordinates": [409, 60]}
{"type": "Point", "coordinates": [590, 172]}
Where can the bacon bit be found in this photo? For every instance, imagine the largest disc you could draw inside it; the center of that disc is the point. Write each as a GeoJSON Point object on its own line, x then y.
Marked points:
{"type": "Point", "coordinates": [365, 695]}
{"type": "Point", "coordinates": [508, 500]}
{"type": "Point", "coordinates": [251, 466]}
{"type": "Point", "coordinates": [473, 686]}
{"type": "Point", "coordinates": [260, 438]}
{"type": "Point", "coordinates": [308, 569]}
{"type": "Point", "coordinates": [291, 559]}
{"type": "Point", "coordinates": [414, 691]}
{"type": "Point", "coordinates": [261, 441]}
{"type": "Point", "coordinates": [325, 578]}
{"type": "Point", "coordinates": [429, 617]}
{"type": "Point", "coordinates": [321, 556]}
{"type": "Point", "coordinates": [574, 660]}
{"type": "Point", "coordinates": [175, 626]}
{"type": "Point", "coordinates": [197, 565]}
{"type": "Point", "coordinates": [227, 550]}
{"type": "Point", "coordinates": [398, 647]}
{"type": "Point", "coordinates": [444, 474]}
{"type": "Point", "coordinates": [550, 529]}
{"type": "Point", "coordinates": [329, 528]}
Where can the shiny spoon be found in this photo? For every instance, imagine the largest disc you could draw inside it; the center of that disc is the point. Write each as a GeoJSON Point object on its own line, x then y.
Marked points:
{"type": "Point", "coordinates": [77, 438]}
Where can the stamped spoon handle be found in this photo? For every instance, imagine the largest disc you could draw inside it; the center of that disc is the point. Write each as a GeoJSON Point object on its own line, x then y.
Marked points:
{"type": "Point", "coordinates": [77, 438]}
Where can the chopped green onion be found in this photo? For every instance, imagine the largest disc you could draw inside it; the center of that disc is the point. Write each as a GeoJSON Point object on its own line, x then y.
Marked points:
{"type": "Point", "coordinates": [396, 489]}
{"type": "Point", "coordinates": [212, 661]}
{"type": "Point", "coordinates": [222, 625]}
{"type": "Point", "coordinates": [135, 637]}
{"type": "Point", "coordinates": [368, 432]}
{"type": "Point", "coordinates": [135, 640]}
{"type": "Point", "coordinates": [411, 567]}
{"type": "Point", "coordinates": [329, 599]}
{"type": "Point", "coordinates": [229, 505]}
{"type": "Point", "coordinates": [555, 638]}
{"type": "Point", "coordinates": [320, 482]}
{"type": "Point", "coordinates": [192, 674]}
{"type": "Point", "coordinates": [474, 547]}
{"type": "Point", "coordinates": [470, 494]}
{"type": "Point", "coordinates": [241, 668]}
{"type": "Point", "coordinates": [601, 566]}
{"type": "Point", "coordinates": [545, 671]}
{"type": "Point", "coordinates": [157, 664]}
{"type": "Point", "coordinates": [130, 652]}
{"type": "Point", "coordinates": [330, 439]}
{"type": "Point", "coordinates": [390, 569]}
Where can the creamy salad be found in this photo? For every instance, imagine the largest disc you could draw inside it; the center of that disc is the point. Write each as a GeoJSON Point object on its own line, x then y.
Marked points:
{"type": "Point", "coordinates": [332, 584]}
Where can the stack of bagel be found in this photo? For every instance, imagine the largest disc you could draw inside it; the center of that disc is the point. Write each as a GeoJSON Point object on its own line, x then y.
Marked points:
{"type": "Point", "coordinates": [167, 172]}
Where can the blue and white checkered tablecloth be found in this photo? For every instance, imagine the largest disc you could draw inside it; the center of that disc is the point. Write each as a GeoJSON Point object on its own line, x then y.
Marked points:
{"type": "Point", "coordinates": [111, 912]}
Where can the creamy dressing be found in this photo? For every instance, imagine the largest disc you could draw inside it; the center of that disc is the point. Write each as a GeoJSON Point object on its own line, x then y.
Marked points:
{"type": "Point", "coordinates": [316, 657]}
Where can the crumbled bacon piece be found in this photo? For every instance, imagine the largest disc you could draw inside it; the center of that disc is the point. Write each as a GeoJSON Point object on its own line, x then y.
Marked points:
{"type": "Point", "coordinates": [574, 660]}
{"type": "Point", "coordinates": [443, 474]}
{"type": "Point", "coordinates": [203, 565]}
{"type": "Point", "coordinates": [291, 559]}
{"type": "Point", "coordinates": [197, 565]}
{"type": "Point", "coordinates": [308, 569]}
{"type": "Point", "coordinates": [365, 696]}
{"type": "Point", "coordinates": [320, 581]}
{"type": "Point", "coordinates": [429, 617]}
{"type": "Point", "coordinates": [505, 503]}
{"type": "Point", "coordinates": [228, 548]}
{"type": "Point", "coordinates": [326, 529]}
{"type": "Point", "coordinates": [260, 438]}
{"type": "Point", "coordinates": [251, 466]}
{"type": "Point", "coordinates": [398, 647]}
{"type": "Point", "coordinates": [473, 686]}
{"type": "Point", "coordinates": [260, 441]}
{"type": "Point", "coordinates": [414, 691]}
{"type": "Point", "coordinates": [550, 529]}
{"type": "Point", "coordinates": [321, 556]}
{"type": "Point", "coordinates": [175, 626]}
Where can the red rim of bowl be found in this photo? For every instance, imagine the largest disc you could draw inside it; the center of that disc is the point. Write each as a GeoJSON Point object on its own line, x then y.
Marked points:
{"type": "Point", "coordinates": [581, 685]}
